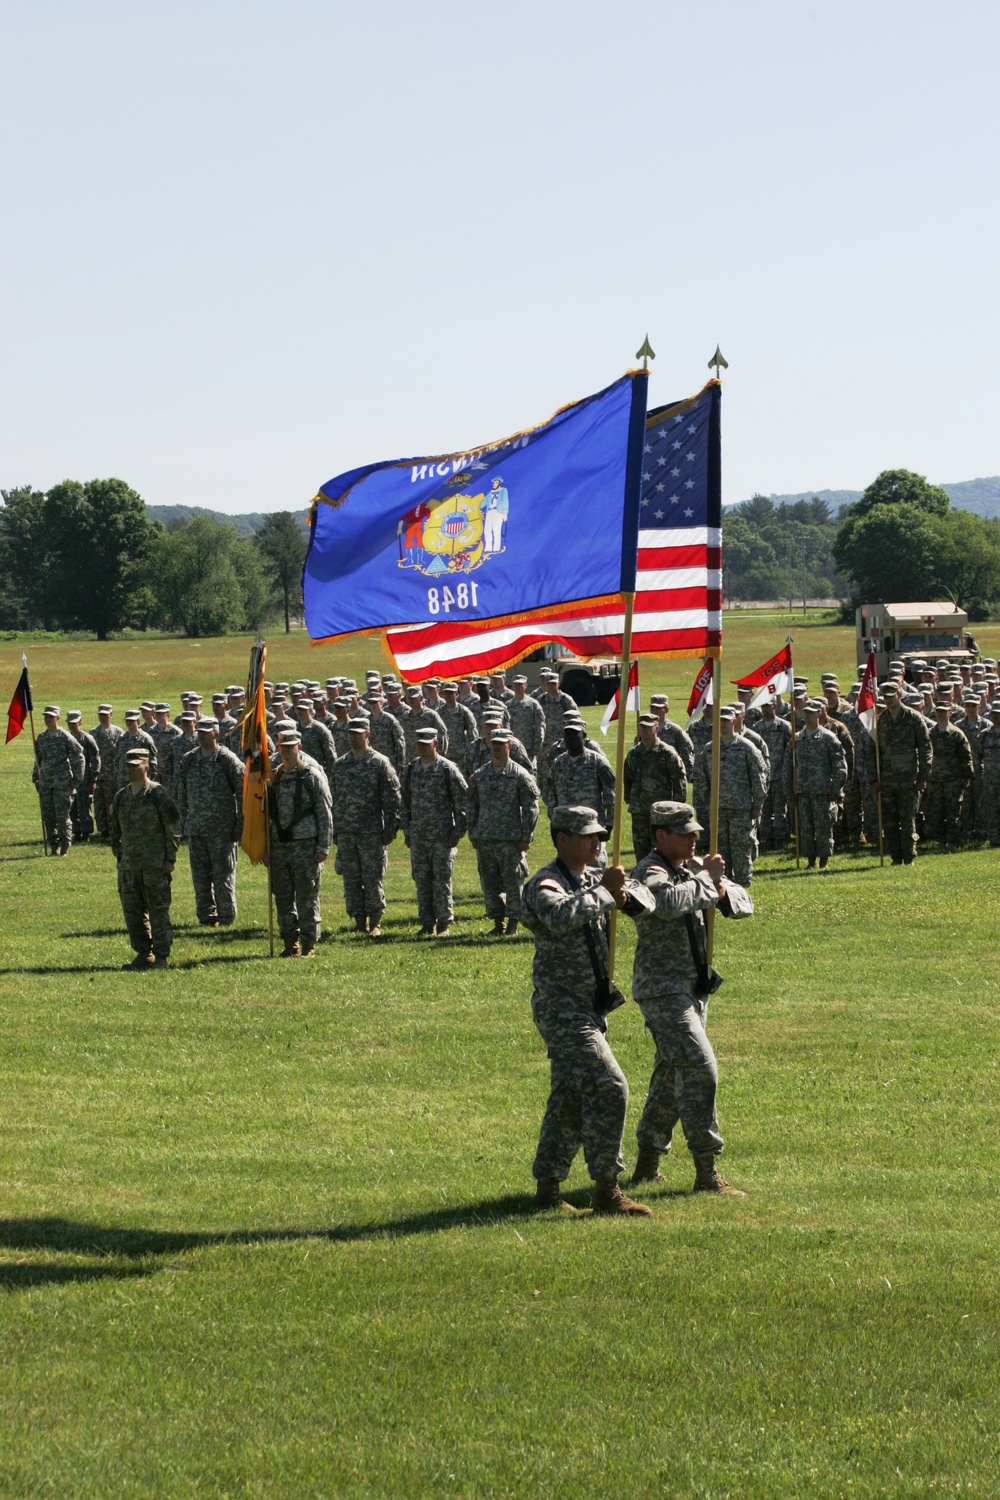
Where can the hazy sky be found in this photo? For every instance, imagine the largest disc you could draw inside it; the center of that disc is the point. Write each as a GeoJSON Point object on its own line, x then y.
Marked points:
{"type": "Point", "coordinates": [247, 246]}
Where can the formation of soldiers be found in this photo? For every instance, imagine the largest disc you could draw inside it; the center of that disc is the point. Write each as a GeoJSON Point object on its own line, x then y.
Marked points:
{"type": "Point", "coordinates": [474, 758]}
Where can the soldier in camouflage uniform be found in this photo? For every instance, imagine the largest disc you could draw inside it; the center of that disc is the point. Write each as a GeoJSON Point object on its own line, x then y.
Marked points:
{"type": "Point", "coordinates": [224, 719]}
{"type": "Point", "coordinates": [481, 754]}
{"type": "Point", "coordinates": [904, 758]}
{"type": "Point", "coordinates": [386, 732]}
{"type": "Point", "coordinates": [421, 717]}
{"type": "Point", "coordinates": [316, 739]}
{"type": "Point", "coordinates": [672, 734]}
{"type": "Point", "coordinates": [777, 736]}
{"type": "Point", "coordinates": [502, 812]}
{"type": "Point", "coordinates": [972, 724]}
{"type": "Point", "coordinates": [106, 736]}
{"type": "Point", "coordinates": [821, 771]}
{"type": "Point", "coordinates": [298, 801]}
{"type": "Point", "coordinates": [145, 829]}
{"type": "Point", "coordinates": [60, 767]}
{"type": "Point", "coordinates": [135, 738]}
{"type": "Point", "coordinates": [856, 799]}
{"type": "Point", "coordinates": [988, 755]}
{"type": "Point", "coordinates": [82, 807]}
{"type": "Point", "coordinates": [654, 772]}
{"type": "Point", "coordinates": [166, 735]}
{"type": "Point", "coordinates": [366, 802]}
{"type": "Point", "coordinates": [499, 689]}
{"type": "Point", "coordinates": [700, 734]}
{"type": "Point", "coordinates": [555, 703]}
{"type": "Point", "coordinates": [833, 725]}
{"type": "Point", "coordinates": [952, 770]}
{"type": "Point", "coordinates": [527, 721]}
{"type": "Point", "coordinates": [148, 711]}
{"type": "Point", "coordinates": [338, 728]}
{"type": "Point", "coordinates": [671, 987]}
{"type": "Point", "coordinates": [187, 743]}
{"type": "Point", "coordinates": [210, 801]}
{"type": "Point", "coordinates": [578, 777]}
{"type": "Point", "coordinates": [461, 725]}
{"type": "Point", "coordinates": [566, 905]}
{"type": "Point", "coordinates": [433, 819]}
{"type": "Point", "coordinates": [742, 788]}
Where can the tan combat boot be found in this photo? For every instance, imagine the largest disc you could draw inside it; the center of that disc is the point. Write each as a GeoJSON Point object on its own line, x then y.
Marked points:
{"type": "Point", "coordinates": [547, 1195]}
{"type": "Point", "coordinates": [708, 1179]}
{"type": "Point", "coordinates": [647, 1166]}
{"type": "Point", "coordinates": [290, 950]}
{"type": "Point", "coordinates": [609, 1199]}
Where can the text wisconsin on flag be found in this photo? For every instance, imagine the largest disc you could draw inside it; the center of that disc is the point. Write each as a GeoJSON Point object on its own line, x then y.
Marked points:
{"type": "Point", "coordinates": [678, 580]}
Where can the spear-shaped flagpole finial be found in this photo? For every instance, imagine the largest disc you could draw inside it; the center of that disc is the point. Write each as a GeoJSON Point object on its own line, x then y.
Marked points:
{"type": "Point", "coordinates": [718, 361]}
{"type": "Point", "coordinates": [645, 353]}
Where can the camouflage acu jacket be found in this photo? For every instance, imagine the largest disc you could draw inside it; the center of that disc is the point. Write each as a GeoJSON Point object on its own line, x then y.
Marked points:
{"type": "Point", "coordinates": [145, 827]}
{"type": "Point", "coordinates": [502, 804]}
{"type": "Point", "coordinates": [664, 963]}
{"type": "Point", "coordinates": [952, 755]}
{"type": "Point", "coordinates": [210, 795]}
{"type": "Point", "coordinates": [433, 800]}
{"type": "Point", "coordinates": [654, 775]}
{"type": "Point", "coordinates": [299, 806]}
{"type": "Point", "coordinates": [366, 796]}
{"type": "Point", "coordinates": [584, 780]}
{"type": "Point", "coordinates": [59, 759]}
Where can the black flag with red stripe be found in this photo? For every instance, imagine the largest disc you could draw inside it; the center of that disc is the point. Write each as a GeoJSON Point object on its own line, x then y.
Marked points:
{"type": "Point", "coordinates": [20, 707]}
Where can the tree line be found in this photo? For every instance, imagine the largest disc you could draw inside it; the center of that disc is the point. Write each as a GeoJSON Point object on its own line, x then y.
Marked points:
{"type": "Point", "coordinates": [86, 556]}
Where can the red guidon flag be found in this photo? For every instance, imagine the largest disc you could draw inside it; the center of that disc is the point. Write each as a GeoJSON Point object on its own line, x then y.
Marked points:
{"type": "Point", "coordinates": [631, 698]}
{"type": "Point", "coordinates": [770, 680]}
{"type": "Point", "coordinates": [701, 693]}
{"type": "Point", "coordinates": [865, 706]}
{"type": "Point", "coordinates": [20, 706]}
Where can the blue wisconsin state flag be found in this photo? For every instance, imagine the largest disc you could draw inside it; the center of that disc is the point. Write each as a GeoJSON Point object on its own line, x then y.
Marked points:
{"type": "Point", "coordinates": [542, 518]}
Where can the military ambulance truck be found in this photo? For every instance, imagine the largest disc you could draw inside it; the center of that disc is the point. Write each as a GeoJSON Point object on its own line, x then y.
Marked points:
{"type": "Point", "coordinates": [905, 632]}
{"type": "Point", "coordinates": [587, 682]}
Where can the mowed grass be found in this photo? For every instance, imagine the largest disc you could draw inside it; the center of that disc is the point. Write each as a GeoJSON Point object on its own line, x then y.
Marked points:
{"type": "Point", "coordinates": [265, 1228]}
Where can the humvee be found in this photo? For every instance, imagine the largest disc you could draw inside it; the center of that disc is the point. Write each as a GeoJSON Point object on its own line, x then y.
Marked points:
{"type": "Point", "coordinates": [587, 682]}
{"type": "Point", "coordinates": [904, 632]}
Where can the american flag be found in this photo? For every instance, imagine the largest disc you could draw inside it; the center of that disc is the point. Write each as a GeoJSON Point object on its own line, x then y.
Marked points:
{"type": "Point", "coordinates": [678, 601]}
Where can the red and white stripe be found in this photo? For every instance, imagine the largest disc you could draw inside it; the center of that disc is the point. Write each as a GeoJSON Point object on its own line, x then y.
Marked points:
{"type": "Point", "coordinates": [677, 612]}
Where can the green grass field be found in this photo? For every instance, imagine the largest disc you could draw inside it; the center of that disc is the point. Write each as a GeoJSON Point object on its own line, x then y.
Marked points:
{"type": "Point", "coordinates": [265, 1228]}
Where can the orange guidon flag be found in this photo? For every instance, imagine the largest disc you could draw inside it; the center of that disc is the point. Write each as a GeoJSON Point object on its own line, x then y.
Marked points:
{"type": "Point", "coordinates": [254, 746]}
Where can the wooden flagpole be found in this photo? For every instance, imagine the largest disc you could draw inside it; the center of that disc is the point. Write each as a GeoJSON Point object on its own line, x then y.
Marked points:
{"type": "Point", "coordinates": [616, 832]}
{"type": "Point", "coordinates": [713, 821]}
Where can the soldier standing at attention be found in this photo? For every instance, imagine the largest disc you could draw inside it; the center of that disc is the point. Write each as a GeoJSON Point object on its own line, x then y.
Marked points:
{"type": "Point", "coordinates": [742, 787]}
{"type": "Point", "coordinates": [988, 755]}
{"type": "Point", "coordinates": [904, 756]}
{"type": "Point", "coordinates": [566, 906]}
{"type": "Point", "coordinates": [145, 834]}
{"type": "Point", "coordinates": [134, 738]}
{"type": "Point", "coordinates": [777, 736]}
{"type": "Point", "coordinates": [60, 767]}
{"type": "Point", "coordinates": [210, 801]}
{"type": "Point", "coordinates": [385, 732]}
{"type": "Point", "coordinates": [578, 777]}
{"type": "Point", "coordinates": [951, 774]}
{"type": "Point", "coordinates": [433, 819]}
{"type": "Point", "coordinates": [527, 721]}
{"type": "Point", "coordinates": [481, 754]}
{"type": "Point", "coordinates": [821, 773]}
{"type": "Point", "coordinates": [316, 740]}
{"type": "Point", "coordinates": [298, 801]}
{"type": "Point", "coordinates": [165, 736]}
{"type": "Point", "coordinates": [671, 983]}
{"type": "Point", "coordinates": [420, 717]}
{"type": "Point", "coordinates": [972, 725]}
{"type": "Point", "coordinates": [83, 799]}
{"type": "Point", "coordinates": [554, 704]}
{"type": "Point", "coordinates": [338, 728]}
{"type": "Point", "coordinates": [654, 772]}
{"type": "Point", "coordinates": [106, 736]}
{"type": "Point", "coordinates": [700, 734]}
{"type": "Point", "coordinates": [460, 723]}
{"type": "Point", "coordinates": [672, 734]}
{"type": "Point", "coordinates": [147, 709]}
{"type": "Point", "coordinates": [366, 800]}
{"type": "Point", "coordinates": [502, 812]}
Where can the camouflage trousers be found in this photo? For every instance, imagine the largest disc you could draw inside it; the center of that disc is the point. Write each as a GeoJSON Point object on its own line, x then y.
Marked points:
{"type": "Point", "coordinates": [295, 879]}
{"type": "Point", "coordinates": [502, 873]}
{"type": "Point", "coordinates": [685, 1077]}
{"type": "Point", "coordinates": [588, 1096]}
{"type": "Point", "coordinates": [213, 875]}
{"type": "Point", "coordinates": [942, 804]}
{"type": "Point", "coordinates": [774, 816]}
{"type": "Point", "coordinates": [144, 892]}
{"type": "Point", "coordinates": [991, 811]}
{"type": "Point", "coordinates": [104, 795]}
{"type": "Point", "coordinates": [737, 843]}
{"type": "Point", "coordinates": [899, 819]}
{"type": "Point", "coordinates": [362, 860]}
{"type": "Point", "coordinates": [816, 820]}
{"type": "Point", "coordinates": [80, 814]}
{"type": "Point", "coordinates": [56, 802]}
{"type": "Point", "coordinates": [855, 810]}
{"type": "Point", "coordinates": [431, 864]}
{"type": "Point", "coordinates": [973, 810]}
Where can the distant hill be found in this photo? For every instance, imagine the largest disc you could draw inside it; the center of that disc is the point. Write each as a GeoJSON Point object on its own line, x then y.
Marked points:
{"type": "Point", "coordinates": [979, 495]}
{"type": "Point", "coordinates": [176, 515]}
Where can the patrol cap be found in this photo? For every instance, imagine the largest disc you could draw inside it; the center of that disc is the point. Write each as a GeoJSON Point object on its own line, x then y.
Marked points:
{"type": "Point", "coordinates": [216, 698]}
{"type": "Point", "coordinates": [800, 681]}
{"type": "Point", "coordinates": [130, 713]}
{"type": "Point", "coordinates": [813, 705]}
{"type": "Point", "coordinates": [162, 708]}
{"type": "Point", "coordinates": [105, 708]}
{"type": "Point", "coordinates": [501, 737]}
{"type": "Point", "coordinates": [146, 705]}
{"type": "Point", "coordinates": [942, 708]}
{"type": "Point", "coordinates": [206, 726]}
{"type": "Point", "coordinates": [942, 664]}
{"type": "Point", "coordinates": [372, 675]}
{"type": "Point", "coordinates": [74, 716]}
{"type": "Point", "coordinates": [189, 718]}
{"type": "Point", "coordinates": [450, 687]}
{"type": "Point", "coordinates": [650, 720]}
{"type": "Point", "coordinates": [855, 687]}
{"type": "Point", "coordinates": [994, 709]}
{"type": "Point", "coordinates": [289, 737]}
{"type": "Point", "coordinates": [234, 687]}
{"type": "Point", "coordinates": [341, 702]}
{"type": "Point", "coordinates": [286, 724]}
{"type": "Point", "coordinates": [268, 685]}
{"type": "Point", "coordinates": [658, 700]}
{"type": "Point", "coordinates": [425, 736]}
{"type": "Point", "coordinates": [432, 682]}
{"type": "Point", "coordinates": [800, 692]}
{"type": "Point", "coordinates": [333, 682]}
{"type": "Point", "coordinates": [890, 690]}
{"type": "Point", "coordinates": [358, 725]}
{"type": "Point", "coordinates": [493, 718]}
{"type": "Point", "coordinates": [137, 757]}
{"type": "Point", "coordinates": [348, 684]}
{"type": "Point", "coordinates": [392, 687]}
{"type": "Point", "coordinates": [304, 700]}
{"type": "Point", "coordinates": [576, 820]}
{"type": "Point", "coordinates": [727, 714]}
{"type": "Point", "coordinates": [53, 709]}
{"type": "Point", "coordinates": [519, 678]}
{"type": "Point", "coordinates": [675, 817]}
{"type": "Point", "coordinates": [195, 698]}
{"type": "Point", "coordinates": [376, 695]}
{"type": "Point", "coordinates": [281, 687]}
{"type": "Point", "coordinates": [414, 692]}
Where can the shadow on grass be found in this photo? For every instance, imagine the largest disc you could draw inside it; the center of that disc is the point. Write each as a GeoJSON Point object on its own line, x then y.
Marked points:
{"type": "Point", "coordinates": [126, 968]}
